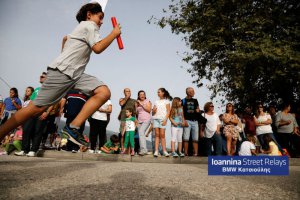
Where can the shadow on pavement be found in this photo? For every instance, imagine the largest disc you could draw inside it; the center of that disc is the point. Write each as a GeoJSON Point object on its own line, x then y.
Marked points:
{"type": "Point", "coordinates": [127, 185]}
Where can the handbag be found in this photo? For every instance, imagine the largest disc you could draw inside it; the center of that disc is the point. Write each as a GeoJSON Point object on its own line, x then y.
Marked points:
{"type": "Point", "coordinates": [201, 119]}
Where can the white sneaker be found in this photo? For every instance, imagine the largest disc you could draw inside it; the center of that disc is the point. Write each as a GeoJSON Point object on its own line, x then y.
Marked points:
{"type": "Point", "coordinates": [31, 154]}
{"type": "Point", "coordinates": [155, 154]}
{"type": "Point", "coordinates": [166, 154]}
{"type": "Point", "coordinates": [98, 152]}
{"type": "Point", "coordinates": [91, 151]}
{"type": "Point", "coordinates": [20, 153]}
{"type": "Point", "coordinates": [3, 153]}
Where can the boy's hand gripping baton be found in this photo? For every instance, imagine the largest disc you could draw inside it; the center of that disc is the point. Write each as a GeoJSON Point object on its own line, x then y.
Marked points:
{"type": "Point", "coordinates": [119, 40]}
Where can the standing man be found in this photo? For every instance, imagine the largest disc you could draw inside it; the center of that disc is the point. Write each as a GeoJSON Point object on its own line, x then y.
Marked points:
{"type": "Point", "coordinates": [34, 127]}
{"type": "Point", "coordinates": [126, 103]}
{"type": "Point", "coordinates": [191, 112]}
{"type": "Point", "coordinates": [248, 119]}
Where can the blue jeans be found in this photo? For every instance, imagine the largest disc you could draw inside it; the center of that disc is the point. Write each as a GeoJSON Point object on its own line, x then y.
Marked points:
{"type": "Point", "coordinates": [142, 135]}
{"type": "Point", "coordinates": [216, 142]}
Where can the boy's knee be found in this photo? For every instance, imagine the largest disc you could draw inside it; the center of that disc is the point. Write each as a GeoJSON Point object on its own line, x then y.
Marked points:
{"type": "Point", "coordinates": [104, 91]}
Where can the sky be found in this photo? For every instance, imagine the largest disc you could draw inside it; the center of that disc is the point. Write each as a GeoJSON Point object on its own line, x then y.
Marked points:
{"type": "Point", "coordinates": [31, 34]}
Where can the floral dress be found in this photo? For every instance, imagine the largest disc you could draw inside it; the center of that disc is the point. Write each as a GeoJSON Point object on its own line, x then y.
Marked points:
{"type": "Point", "coordinates": [229, 129]}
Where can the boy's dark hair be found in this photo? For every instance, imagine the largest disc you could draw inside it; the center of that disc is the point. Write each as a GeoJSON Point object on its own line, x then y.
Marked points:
{"type": "Point", "coordinates": [114, 138]}
{"type": "Point", "coordinates": [251, 138]}
{"type": "Point", "coordinates": [130, 110]}
{"type": "Point", "coordinates": [94, 8]}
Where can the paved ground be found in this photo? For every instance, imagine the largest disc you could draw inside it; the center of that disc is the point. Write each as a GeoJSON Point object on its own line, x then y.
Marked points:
{"type": "Point", "coordinates": [45, 178]}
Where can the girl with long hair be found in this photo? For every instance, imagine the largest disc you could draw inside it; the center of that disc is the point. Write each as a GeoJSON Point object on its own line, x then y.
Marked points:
{"type": "Point", "coordinates": [161, 113]}
{"type": "Point", "coordinates": [178, 122]}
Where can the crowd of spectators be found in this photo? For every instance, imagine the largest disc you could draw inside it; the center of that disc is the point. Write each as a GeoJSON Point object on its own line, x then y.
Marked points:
{"type": "Point", "coordinates": [255, 130]}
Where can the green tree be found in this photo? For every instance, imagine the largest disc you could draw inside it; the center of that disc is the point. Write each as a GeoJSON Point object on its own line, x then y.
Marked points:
{"type": "Point", "coordinates": [248, 50]}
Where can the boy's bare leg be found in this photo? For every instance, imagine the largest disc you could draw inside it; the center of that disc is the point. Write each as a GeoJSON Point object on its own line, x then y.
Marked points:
{"type": "Point", "coordinates": [19, 118]}
{"type": "Point", "coordinates": [101, 95]}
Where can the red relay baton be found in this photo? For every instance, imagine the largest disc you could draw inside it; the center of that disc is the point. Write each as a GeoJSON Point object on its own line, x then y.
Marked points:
{"type": "Point", "coordinates": [119, 40]}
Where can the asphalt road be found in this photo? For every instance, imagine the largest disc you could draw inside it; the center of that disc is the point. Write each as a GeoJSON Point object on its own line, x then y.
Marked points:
{"type": "Point", "coordinates": [44, 178]}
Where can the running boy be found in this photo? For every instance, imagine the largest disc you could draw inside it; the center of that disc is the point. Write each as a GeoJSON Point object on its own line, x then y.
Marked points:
{"type": "Point", "coordinates": [67, 71]}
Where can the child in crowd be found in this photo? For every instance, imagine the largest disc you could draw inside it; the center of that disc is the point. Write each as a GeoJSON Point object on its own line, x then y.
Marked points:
{"type": "Point", "coordinates": [272, 147]}
{"type": "Point", "coordinates": [129, 131]}
{"type": "Point", "coordinates": [152, 131]}
{"type": "Point", "coordinates": [161, 113]}
{"type": "Point", "coordinates": [13, 142]}
{"type": "Point", "coordinates": [112, 146]}
{"type": "Point", "coordinates": [178, 122]}
{"type": "Point", "coordinates": [248, 147]}
{"type": "Point", "coordinates": [67, 71]}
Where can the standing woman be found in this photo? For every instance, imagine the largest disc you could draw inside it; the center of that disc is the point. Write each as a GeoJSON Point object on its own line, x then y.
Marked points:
{"type": "Point", "coordinates": [263, 123]}
{"type": "Point", "coordinates": [11, 104]}
{"type": "Point", "coordinates": [287, 129]}
{"type": "Point", "coordinates": [230, 131]}
{"type": "Point", "coordinates": [28, 92]}
{"type": "Point", "coordinates": [143, 110]}
{"type": "Point", "coordinates": [98, 124]}
{"type": "Point", "coordinates": [211, 130]}
{"type": "Point", "coordinates": [161, 113]}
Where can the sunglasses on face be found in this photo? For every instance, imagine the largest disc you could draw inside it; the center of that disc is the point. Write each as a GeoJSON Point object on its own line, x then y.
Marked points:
{"type": "Point", "coordinates": [212, 106]}
{"type": "Point", "coordinates": [229, 105]}
{"type": "Point", "coordinates": [42, 76]}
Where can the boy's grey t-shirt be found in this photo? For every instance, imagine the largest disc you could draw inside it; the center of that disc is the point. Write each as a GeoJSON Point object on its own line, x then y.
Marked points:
{"type": "Point", "coordinates": [77, 50]}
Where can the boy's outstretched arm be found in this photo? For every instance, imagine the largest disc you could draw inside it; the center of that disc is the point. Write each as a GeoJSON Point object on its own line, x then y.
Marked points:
{"type": "Point", "coordinates": [103, 44]}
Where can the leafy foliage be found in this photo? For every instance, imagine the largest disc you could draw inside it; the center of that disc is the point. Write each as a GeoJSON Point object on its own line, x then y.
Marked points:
{"type": "Point", "coordinates": [248, 50]}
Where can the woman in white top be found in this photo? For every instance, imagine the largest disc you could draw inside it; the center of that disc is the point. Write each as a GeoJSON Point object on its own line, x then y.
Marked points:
{"type": "Point", "coordinates": [211, 130]}
{"type": "Point", "coordinates": [161, 113]}
{"type": "Point", "coordinates": [263, 123]}
{"type": "Point", "coordinates": [98, 124]}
